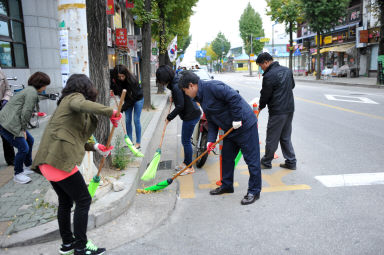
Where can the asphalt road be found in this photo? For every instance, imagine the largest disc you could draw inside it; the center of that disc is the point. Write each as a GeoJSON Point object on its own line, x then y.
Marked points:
{"type": "Point", "coordinates": [296, 214]}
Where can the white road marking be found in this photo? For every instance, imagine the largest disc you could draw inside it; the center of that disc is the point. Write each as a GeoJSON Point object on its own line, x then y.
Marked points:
{"type": "Point", "coordinates": [344, 180]}
{"type": "Point", "coordinates": [352, 99]}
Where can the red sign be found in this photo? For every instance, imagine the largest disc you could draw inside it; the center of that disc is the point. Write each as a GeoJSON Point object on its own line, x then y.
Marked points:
{"type": "Point", "coordinates": [121, 37]}
{"type": "Point", "coordinates": [129, 4]}
{"type": "Point", "coordinates": [364, 36]}
{"type": "Point", "coordinates": [110, 7]}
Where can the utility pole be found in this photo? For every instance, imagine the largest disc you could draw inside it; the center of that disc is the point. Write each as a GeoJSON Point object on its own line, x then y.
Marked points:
{"type": "Point", "coordinates": [250, 62]}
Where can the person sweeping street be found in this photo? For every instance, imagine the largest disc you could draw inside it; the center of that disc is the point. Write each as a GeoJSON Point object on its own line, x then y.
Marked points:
{"type": "Point", "coordinates": [187, 109]}
{"type": "Point", "coordinates": [62, 148]}
{"type": "Point", "coordinates": [14, 118]}
{"type": "Point", "coordinates": [225, 108]}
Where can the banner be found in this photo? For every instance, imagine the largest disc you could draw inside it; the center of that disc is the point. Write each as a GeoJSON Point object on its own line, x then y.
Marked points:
{"type": "Point", "coordinates": [129, 4]}
{"type": "Point", "coordinates": [110, 7]}
{"type": "Point", "coordinates": [121, 37]}
{"type": "Point", "coordinates": [132, 42]}
{"type": "Point", "coordinates": [172, 49]}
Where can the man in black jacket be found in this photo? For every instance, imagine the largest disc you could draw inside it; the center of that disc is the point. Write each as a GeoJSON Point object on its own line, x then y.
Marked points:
{"type": "Point", "coordinates": [187, 109]}
{"type": "Point", "coordinates": [277, 93]}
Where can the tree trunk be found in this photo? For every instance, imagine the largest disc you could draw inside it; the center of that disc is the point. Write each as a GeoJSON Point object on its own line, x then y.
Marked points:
{"type": "Point", "coordinates": [162, 45]}
{"type": "Point", "coordinates": [146, 59]}
{"type": "Point", "coordinates": [381, 40]}
{"type": "Point", "coordinates": [318, 69]}
{"type": "Point", "coordinates": [290, 44]}
{"type": "Point", "coordinates": [98, 64]}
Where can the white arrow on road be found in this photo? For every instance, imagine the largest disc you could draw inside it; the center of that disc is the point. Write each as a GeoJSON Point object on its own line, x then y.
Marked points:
{"type": "Point", "coordinates": [343, 180]}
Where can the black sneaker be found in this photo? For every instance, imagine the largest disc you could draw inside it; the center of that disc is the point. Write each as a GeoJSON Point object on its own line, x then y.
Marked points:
{"type": "Point", "coordinates": [90, 249]}
{"type": "Point", "coordinates": [290, 167]}
{"type": "Point", "coordinates": [66, 249]}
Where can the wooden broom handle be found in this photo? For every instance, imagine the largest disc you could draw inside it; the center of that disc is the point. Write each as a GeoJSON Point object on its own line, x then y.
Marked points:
{"type": "Point", "coordinates": [112, 130]}
{"type": "Point", "coordinates": [117, 105]}
{"type": "Point", "coordinates": [205, 152]}
{"type": "Point", "coordinates": [165, 126]}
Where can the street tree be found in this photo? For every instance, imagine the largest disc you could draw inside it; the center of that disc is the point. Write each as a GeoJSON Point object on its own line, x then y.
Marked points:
{"type": "Point", "coordinates": [98, 63]}
{"type": "Point", "coordinates": [251, 27]}
{"type": "Point", "coordinates": [322, 16]}
{"type": "Point", "coordinates": [220, 45]}
{"type": "Point", "coordinates": [210, 55]}
{"type": "Point", "coordinates": [288, 12]}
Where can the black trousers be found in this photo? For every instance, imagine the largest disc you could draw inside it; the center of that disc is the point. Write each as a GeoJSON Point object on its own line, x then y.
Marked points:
{"type": "Point", "coordinates": [69, 190]}
{"type": "Point", "coordinates": [248, 142]}
{"type": "Point", "coordinates": [279, 129]}
{"type": "Point", "coordinates": [9, 152]}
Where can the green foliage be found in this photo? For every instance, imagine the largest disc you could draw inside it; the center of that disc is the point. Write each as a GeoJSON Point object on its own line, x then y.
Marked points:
{"type": "Point", "coordinates": [323, 15]}
{"type": "Point", "coordinates": [251, 25]}
{"type": "Point", "coordinates": [286, 11]}
{"type": "Point", "coordinates": [142, 15]}
{"type": "Point", "coordinates": [120, 158]}
{"type": "Point", "coordinates": [220, 44]}
{"type": "Point", "coordinates": [210, 53]}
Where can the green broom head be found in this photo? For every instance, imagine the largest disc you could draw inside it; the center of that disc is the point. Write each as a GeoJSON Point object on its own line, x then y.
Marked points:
{"type": "Point", "coordinates": [238, 157]}
{"type": "Point", "coordinates": [133, 149]}
{"type": "Point", "coordinates": [94, 183]}
{"type": "Point", "coordinates": [151, 170]}
{"type": "Point", "coordinates": [160, 185]}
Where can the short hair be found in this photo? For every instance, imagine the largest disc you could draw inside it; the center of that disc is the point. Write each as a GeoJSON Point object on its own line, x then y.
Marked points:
{"type": "Point", "coordinates": [79, 83]}
{"type": "Point", "coordinates": [263, 57]}
{"type": "Point", "coordinates": [39, 80]}
{"type": "Point", "coordinates": [164, 74]}
{"type": "Point", "coordinates": [188, 77]}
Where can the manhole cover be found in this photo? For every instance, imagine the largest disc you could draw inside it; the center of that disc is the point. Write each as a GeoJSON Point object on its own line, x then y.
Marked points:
{"type": "Point", "coordinates": [164, 165]}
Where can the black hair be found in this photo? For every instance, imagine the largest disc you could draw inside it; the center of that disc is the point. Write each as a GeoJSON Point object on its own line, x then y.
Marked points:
{"type": "Point", "coordinates": [129, 77]}
{"type": "Point", "coordinates": [264, 57]}
{"type": "Point", "coordinates": [188, 77]}
{"type": "Point", "coordinates": [164, 74]}
{"type": "Point", "coordinates": [39, 80]}
{"type": "Point", "coordinates": [79, 83]}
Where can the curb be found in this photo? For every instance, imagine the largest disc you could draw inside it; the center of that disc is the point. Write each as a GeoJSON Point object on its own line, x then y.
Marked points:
{"type": "Point", "coordinates": [340, 83]}
{"type": "Point", "coordinates": [108, 207]}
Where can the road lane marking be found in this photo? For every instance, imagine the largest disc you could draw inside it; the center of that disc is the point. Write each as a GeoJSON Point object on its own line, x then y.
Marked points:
{"type": "Point", "coordinates": [213, 173]}
{"type": "Point", "coordinates": [344, 180]}
{"type": "Point", "coordinates": [187, 189]}
{"type": "Point", "coordinates": [276, 184]}
{"type": "Point", "coordinates": [363, 100]}
{"type": "Point", "coordinates": [341, 108]}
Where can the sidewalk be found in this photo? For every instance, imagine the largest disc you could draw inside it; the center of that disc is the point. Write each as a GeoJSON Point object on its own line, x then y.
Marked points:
{"type": "Point", "coordinates": [25, 217]}
{"type": "Point", "coordinates": [343, 81]}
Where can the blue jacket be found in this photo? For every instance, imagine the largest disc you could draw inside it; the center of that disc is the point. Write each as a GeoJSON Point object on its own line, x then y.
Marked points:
{"type": "Point", "coordinates": [223, 105]}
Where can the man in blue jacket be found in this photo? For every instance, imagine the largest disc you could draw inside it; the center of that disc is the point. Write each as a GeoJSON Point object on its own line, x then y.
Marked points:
{"type": "Point", "coordinates": [225, 108]}
{"type": "Point", "coordinates": [276, 92]}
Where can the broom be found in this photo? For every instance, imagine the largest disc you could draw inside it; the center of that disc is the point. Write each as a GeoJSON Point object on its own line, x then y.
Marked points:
{"type": "Point", "coordinates": [166, 183]}
{"type": "Point", "coordinates": [150, 172]}
{"type": "Point", "coordinates": [94, 183]}
{"type": "Point", "coordinates": [128, 141]}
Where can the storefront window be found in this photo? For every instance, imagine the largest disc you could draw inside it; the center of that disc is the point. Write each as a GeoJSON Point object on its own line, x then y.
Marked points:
{"type": "Point", "coordinates": [13, 52]}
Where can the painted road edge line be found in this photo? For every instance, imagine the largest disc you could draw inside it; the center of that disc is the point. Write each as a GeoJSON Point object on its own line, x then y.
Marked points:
{"type": "Point", "coordinates": [344, 180]}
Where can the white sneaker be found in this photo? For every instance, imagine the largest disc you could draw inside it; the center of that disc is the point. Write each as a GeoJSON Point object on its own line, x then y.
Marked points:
{"type": "Point", "coordinates": [21, 178]}
{"type": "Point", "coordinates": [27, 170]}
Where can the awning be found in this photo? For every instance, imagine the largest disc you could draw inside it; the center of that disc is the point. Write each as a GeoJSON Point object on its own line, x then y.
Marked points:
{"type": "Point", "coordinates": [338, 48]}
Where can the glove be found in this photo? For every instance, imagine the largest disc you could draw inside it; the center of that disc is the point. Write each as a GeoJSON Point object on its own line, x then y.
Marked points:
{"type": "Point", "coordinates": [112, 94]}
{"type": "Point", "coordinates": [210, 146]}
{"type": "Point", "coordinates": [114, 119]}
{"type": "Point", "coordinates": [102, 150]}
{"type": "Point", "coordinates": [236, 124]}
{"type": "Point", "coordinates": [40, 114]}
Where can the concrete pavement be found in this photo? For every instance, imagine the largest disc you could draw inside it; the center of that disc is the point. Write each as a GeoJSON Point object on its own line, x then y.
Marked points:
{"type": "Point", "coordinates": [25, 218]}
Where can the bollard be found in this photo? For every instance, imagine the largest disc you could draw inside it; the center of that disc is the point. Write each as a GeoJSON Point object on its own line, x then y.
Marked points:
{"type": "Point", "coordinates": [221, 133]}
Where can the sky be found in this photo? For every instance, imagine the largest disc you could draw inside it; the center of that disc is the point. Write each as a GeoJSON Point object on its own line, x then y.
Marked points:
{"type": "Point", "coordinates": [213, 16]}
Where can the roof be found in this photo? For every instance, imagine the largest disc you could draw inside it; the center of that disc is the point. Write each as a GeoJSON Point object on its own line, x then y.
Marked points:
{"type": "Point", "coordinates": [242, 57]}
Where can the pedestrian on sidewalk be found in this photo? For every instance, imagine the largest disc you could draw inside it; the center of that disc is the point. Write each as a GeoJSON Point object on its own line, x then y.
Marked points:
{"type": "Point", "coordinates": [188, 111]}
{"type": "Point", "coordinates": [225, 108]}
{"type": "Point", "coordinates": [14, 118]}
{"type": "Point", "coordinates": [133, 102]}
{"type": "Point", "coordinates": [277, 93]}
{"type": "Point", "coordinates": [5, 96]}
{"type": "Point", "coordinates": [62, 149]}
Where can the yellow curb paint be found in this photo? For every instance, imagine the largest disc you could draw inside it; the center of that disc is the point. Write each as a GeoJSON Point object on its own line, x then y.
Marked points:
{"type": "Point", "coordinates": [246, 167]}
{"type": "Point", "coordinates": [71, 6]}
{"type": "Point", "coordinates": [214, 186]}
{"type": "Point", "coordinates": [187, 189]}
{"type": "Point", "coordinates": [341, 108]}
{"type": "Point", "coordinates": [286, 188]}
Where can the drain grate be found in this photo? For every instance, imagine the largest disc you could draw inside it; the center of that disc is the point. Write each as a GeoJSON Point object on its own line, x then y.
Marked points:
{"type": "Point", "coordinates": [164, 165]}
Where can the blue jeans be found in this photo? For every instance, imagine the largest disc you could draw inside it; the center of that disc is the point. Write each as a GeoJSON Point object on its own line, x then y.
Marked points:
{"type": "Point", "coordinates": [24, 149]}
{"type": "Point", "coordinates": [186, 134]}
{"type": "Point", "coordinates": [136, 108]}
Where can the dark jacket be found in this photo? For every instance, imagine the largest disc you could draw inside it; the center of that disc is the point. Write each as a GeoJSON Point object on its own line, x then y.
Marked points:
{"type": "Point", "coordinates": [276, 91]}
{"type": "Point", "coordinates": [134, 92]}
{"type": "Point", "coordinates": [185, 107]}
{"type": "Point", "coordinates": [222, 105]}
{"type": "Point", "coordinates": [74, 121]}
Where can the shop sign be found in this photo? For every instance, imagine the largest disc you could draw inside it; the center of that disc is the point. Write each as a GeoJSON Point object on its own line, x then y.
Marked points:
{"type": "Point", "coordinates": [328, 40]}
{"type": "Point", "coordinates": [154, 51]}
{"type": "Point", "coordinates": [364, 36]}
{"type": "Point", "coordinates": [264, 39]}
{"type": "Point", "coordinates": [121, 37]}
{"type": "Point", "coordinates": [321, 41]}
{"type": "Point", "coordinates": [110, 7]}
{"type": "Point", "coordinates": [129, 4]}
{"type": "Point", "coordinates": [109, 37]}
{"type": "Point", "coordinates": [132, 43]}
{"type": "Point", "coordinates": [312, 50]}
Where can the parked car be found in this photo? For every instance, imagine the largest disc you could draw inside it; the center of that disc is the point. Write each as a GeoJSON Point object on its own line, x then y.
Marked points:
{"type": "Point", "coordinates": [203, 74]}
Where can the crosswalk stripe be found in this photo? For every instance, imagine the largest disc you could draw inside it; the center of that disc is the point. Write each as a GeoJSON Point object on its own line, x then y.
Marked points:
{"type": "Point", "coordinates": [344, 180]}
